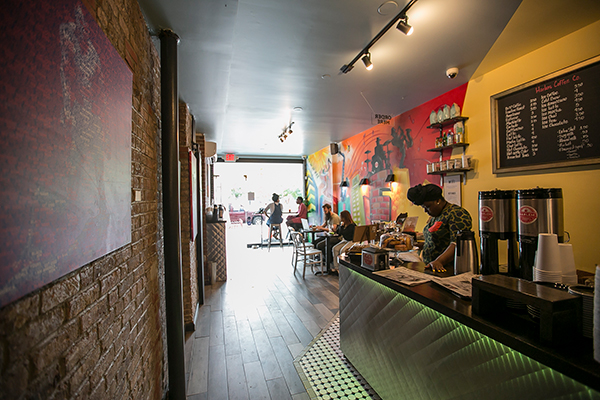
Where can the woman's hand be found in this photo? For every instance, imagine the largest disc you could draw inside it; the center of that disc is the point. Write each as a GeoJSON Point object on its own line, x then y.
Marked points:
{"type": "Point", "coordinates": [436, 266]}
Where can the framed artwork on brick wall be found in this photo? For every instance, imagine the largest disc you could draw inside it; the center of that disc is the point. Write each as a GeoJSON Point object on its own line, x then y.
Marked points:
{"type": "Point", "coordinates": [65, 144]}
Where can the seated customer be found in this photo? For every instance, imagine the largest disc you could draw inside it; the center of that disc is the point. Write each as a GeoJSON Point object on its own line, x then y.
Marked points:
{"type": "Point", "coordinates": [330, 225]}
{"type": "Point", "coordinates": [274, 213]}
{"type": "Point", "coordinates": [346, 231]}
{"type": "Point", "coordinates": [295, 221]}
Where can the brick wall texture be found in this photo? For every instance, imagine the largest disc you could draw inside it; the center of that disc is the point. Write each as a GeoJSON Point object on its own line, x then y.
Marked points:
{"type": "Point", "coordinates": [99, 332]}
{"type": "Point", "coordinates": [188, 248]}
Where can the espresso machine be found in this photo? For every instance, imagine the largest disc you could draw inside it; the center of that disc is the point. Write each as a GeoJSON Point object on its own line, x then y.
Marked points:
{"type": "Point", "coordinates": [539, 211]}
{"type": "Point", "coordinates": [497, 221]}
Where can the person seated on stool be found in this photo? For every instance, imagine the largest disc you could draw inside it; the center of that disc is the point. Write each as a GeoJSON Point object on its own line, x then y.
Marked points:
{"type": "Point", "coordinates": [274, 213]}
{"type": "Point", "coordinates": [295, 221]}
{"type": "Point", "coordinates": [330, 225]}
{"type": "Point", "coordinates": [346, 232]}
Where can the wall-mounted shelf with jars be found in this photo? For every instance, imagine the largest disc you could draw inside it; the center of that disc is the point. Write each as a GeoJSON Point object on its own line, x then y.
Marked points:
{"type": "Point", "coordinates": [461, 166]}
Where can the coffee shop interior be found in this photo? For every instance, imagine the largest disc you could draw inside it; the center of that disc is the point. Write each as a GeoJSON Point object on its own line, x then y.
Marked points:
{"type": "Point", "coordinates": [143, 140]}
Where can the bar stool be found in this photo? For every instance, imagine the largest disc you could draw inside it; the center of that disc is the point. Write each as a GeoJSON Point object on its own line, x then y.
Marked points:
{"type": "Point", "coordinates": [272, 230]}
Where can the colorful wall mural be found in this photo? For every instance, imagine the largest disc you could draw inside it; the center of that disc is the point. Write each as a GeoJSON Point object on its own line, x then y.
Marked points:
{"type": "Point", "coordinates": [398, 147]}
{"type": "Point", "coordinates": [319, 187]}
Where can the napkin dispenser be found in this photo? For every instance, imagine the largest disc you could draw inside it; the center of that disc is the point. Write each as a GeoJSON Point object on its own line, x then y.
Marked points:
{"type": "Point", "coordinates": [374, 259]}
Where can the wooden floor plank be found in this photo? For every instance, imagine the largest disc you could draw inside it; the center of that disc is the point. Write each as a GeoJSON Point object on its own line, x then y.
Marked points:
{"type": "Point", "coordinates": [236, 378]}
{"type": "Point", "coordinates": [286, 361]}
{"type": "Point", "coordinates": [247, 345]}
{"type": "Point", "coordinates": [268, 361]}
{"type": "Point", "coordinates": [216, 328]}
{"type": "Point", "coordinates": [324, 311]}
{"type": "Point", "coordinates": [203, 325]}
{"type": "Point", "coordinates": [299, 328]}
{"type": "Point", "coordinates": [254, 320]}
{"type": "Point", "coordinates": [278, 389]}
{"type": "Point", "coordinates": [231, 338]}
{"type": "Point", "coordinates": [257, 385]}
{"type": "Point", "coordinates": [295, 349]}
{"type": "Point", "coordinates": [217, 373]}
{"type": "Point", "coordinates": [312, 326]}
{"type": "Point", "coordinates": [198, 381]}
{"type": "Point", "coordinates": [284, 327]}
{"type": "Point", "coordinates": [267, 321]}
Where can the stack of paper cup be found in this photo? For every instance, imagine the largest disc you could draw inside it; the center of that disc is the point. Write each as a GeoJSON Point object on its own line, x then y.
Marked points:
{"type": "Point", "coordinates": [567, 260]}
{"type": "Point", "coordinates": [547, 266]}
{"type": "Point", "coordinates": [597, 315]}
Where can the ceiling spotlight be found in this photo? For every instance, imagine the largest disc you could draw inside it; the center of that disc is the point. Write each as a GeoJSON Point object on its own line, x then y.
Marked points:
{"type": "Point", "coordinates": [404, 27]}
{"type": "Point", "coordinates": [390, 178]}
{"type": "Point", "coordinates": [364, 181]}
{"type": "Point", "coordinates": [367, 61]}
{"type": "Point", "coordinates": [344, 183]}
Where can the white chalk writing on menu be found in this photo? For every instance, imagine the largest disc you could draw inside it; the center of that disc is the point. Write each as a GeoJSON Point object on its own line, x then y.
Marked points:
{"type": "Point", "coordinates": [552, 111]}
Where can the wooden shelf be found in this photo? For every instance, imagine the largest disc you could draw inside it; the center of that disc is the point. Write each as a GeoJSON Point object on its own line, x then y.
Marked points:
{"type": "Point", "coordinates": [440, 125]}
{"type": "Point", "coordinates": [451, 171]}
{"type": "Point", "coordinates": [452, 146]}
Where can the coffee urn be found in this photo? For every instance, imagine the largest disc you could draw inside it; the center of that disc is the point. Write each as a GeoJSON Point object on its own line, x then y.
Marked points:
{"type": "Point", "coordinates": [539, 211]}
{"type": "Point", "coordinates": [497, 221]}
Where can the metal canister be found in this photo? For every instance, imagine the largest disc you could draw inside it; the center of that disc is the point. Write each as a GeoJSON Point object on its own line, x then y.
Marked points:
{"type": "Point", "coordinates": [540, 211]}
{"type": "Point", "coordinates": [497, 211]}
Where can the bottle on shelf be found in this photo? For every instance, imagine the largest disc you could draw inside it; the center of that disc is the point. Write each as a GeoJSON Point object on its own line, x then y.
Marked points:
{"type": "Point", "coordinates": [449, 138]}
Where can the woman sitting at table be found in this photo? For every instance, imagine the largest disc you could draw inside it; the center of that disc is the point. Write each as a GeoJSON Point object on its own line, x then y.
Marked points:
{"type": "Point", "coordinates": [346, 231]}
{"type": "Point", "coordinates": [446, 220]}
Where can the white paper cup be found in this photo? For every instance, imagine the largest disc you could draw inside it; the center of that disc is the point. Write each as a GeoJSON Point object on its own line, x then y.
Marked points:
{"type": "Point", "coordinates": [548, 255]}
{"type": "Point", "coordinates": [567, 259]}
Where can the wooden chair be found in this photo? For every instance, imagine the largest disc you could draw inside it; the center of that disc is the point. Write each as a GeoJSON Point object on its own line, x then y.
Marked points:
{"type": "Point", "coordinates": [306, 254]}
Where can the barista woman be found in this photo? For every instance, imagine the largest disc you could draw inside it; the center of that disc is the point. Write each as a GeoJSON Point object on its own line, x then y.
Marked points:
{"type": "Point", "coordinates": [445, 221]}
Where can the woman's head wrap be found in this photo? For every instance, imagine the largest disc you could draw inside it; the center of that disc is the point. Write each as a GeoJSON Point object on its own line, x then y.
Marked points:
{"type": "Point", "coordinates": [421, 193]}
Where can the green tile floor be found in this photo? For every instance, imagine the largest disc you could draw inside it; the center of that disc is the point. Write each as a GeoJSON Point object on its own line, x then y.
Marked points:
{"type": "Point", "coordinates": [325, 372]}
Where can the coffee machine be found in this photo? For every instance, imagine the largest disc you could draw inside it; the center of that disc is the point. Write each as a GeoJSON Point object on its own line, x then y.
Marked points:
{"type": "Point", "coordinates": [497, 221]}
{"type": "Point", "coordinates": [539, 211]}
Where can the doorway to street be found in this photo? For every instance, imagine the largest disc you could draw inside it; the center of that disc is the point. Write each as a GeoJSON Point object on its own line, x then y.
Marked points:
{"type": "Point", "coordinates": [246, 188]}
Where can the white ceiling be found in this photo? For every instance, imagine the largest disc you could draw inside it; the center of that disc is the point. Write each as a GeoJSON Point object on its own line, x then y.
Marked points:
{"type": "Point", "coordinates": [244, 65]}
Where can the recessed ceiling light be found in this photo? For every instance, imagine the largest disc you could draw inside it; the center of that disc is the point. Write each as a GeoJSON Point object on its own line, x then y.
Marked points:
{"type": "Point", "coordinates": [387, 8]}
{"type": "Point", "coordinates": [326, 76]}
{"type": "Point", "coordinates": [297, 108]}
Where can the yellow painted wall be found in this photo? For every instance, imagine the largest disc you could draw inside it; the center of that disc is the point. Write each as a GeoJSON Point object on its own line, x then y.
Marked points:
{"type": "Point", "coordinates": [581, 185]}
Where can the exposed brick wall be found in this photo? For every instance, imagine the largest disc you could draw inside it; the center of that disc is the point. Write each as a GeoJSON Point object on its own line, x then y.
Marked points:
{"type": "Point", "coordinates": [98, 332]}
{"type": "Point", "coordinates": [188, 248]}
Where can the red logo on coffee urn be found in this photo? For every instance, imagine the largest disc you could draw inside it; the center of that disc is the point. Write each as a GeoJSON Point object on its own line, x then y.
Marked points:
{"type": "Point", "coordinates": [527, 214]}
{"type": "Point", "coordinates": [368, 258]}
{"type": "Point", "coordinates": [486, 214]}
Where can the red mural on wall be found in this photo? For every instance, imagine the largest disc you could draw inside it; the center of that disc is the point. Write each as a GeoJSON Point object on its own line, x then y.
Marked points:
{"type": "Point", "coordinates": [398, 148]}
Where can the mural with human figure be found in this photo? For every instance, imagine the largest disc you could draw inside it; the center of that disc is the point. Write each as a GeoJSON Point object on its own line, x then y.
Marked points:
{"type": "Point", "coordinates": [398, 148]}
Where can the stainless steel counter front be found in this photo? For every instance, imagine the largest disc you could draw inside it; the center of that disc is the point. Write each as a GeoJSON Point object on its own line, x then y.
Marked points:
{"type": "Point", "coordinates": [423, 342]}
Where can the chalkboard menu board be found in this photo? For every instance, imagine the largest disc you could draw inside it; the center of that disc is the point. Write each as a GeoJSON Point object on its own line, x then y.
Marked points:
{"type": "Point", "coordinates": [553, 121]}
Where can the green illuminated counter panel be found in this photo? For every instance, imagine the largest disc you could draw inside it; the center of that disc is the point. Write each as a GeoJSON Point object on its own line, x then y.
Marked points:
{"type": "Point", "coordinates": [423, 342]}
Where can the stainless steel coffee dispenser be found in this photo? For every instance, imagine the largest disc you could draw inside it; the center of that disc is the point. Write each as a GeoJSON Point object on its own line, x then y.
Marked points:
{"type": "Point", "coordinates": [539, 211]}
{"type": "Point", "coordinates": [465, 253]}
{"type": "Point", "coordinates": [497, 221]}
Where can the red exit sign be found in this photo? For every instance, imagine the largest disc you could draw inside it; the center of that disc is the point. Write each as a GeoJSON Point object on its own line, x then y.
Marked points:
{"type": "Point", "coordinates": [230, 157]}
